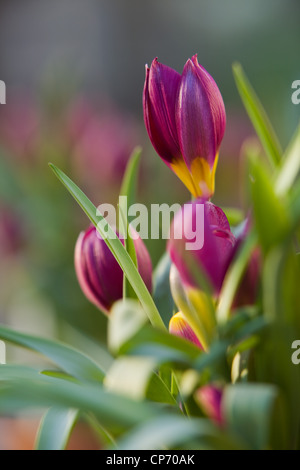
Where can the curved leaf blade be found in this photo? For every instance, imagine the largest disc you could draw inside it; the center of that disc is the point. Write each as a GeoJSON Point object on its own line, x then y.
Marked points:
{"type": "Point", "coordinates": [55, 428]}
{"type": "Point", "coordinates": [69, 359]}
{"type": "Point", "coordinates": [257, 115]}
{"type": "Point", "coordinates": [116, 247]}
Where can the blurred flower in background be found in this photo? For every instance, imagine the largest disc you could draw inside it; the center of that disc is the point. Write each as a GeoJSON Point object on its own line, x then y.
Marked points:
{"type": "Point", "coordinates": [20, 126]}
{"type": "Point", "coordinates": [102, 139]}
{"type": "Point", "coordinates": [12, 233]}
{"type": "Point", "coordinates": [209, 397]}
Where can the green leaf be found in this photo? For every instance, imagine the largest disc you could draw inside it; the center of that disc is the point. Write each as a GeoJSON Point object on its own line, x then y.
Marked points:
{"type": "Point", "coordinates": [130, 376]}
{"type": "Point", "coordinates": [129, 183]}
{"type": "Point", "coordinates": [135, 377]}
{"type": "Point", "coordinates": [290, 167]}
{"type": "Point", "coordinates": [116, 247]}
{"type": "Point", "coordinates": [270, 213]}
{"type": "Point", "coordinates": [127, 198]}
{"type": "Point", "coordinates": [294, 205]}
{"type": "Point", "coordinates": [281, 276]}
{"type": "Point", "coordinates": [235, 216]}
{"type": "Point", "coordinates": [171, 432]}
{"type": "Point", "coordinates": [233, 278]}
{"type": "Point", "coordinates": [55, 428]}
{"type": "Point", "coordinates": [162, 292]}
{"type": "Point", "coordinates": [271, 362]}
{"type": "Point", "coordinates": [25, 388]}
{"type": "Point", "coordinates": [158, 391]}
{"type": "Point", "coordinates": [258, 116]}
{"type": "Point", "coordinates": [126, 319]}
{"type": "Point", "coordinates": [128, 291]}
{"type": "Point", "coordinates": [69, 359]}
{"type": "Point", "coordinates": [256, 413]}
{"type": "Point", "coordinates": [162, 346]}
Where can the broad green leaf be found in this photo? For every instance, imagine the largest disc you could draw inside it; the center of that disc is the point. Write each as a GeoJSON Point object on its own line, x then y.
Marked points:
{"type": "Point", "coordinates": [126, 319]}
{"type": "Point", "coordinates": [256, 413]}
{"type": "Point", "coordinates": [55, 428]}
{"type": "Point", "coordinates": [235, 216]}
{"type": "Point", "coordinates": [162, 346]}
{"type": "Point", "coordinates": [258, 116]}
{"type": "Point", "coordinates": [270, 213]}
{"type": "Point", "coordinates": [242, 316]}
{"type": "Point", "coordinates": [290, 167]}
{"type": "Point", "coordinates": [271, 362]}
{"type": "Point", "coordinates": [17, 372]}
{"type": "Point", "coordinates": [158, 391]}
{"type": "Point", "coordinates": [28, 389]}
{"type": "Point", "coordinates": [162, 292]}
{"type": "Point", "coordinates": [69, 359]}
{"type": "Point", "coordinates": [294, 205]}
{"type": "Point", "coordinates": [129, 376]}
{"type": "Point", "coordinates": [214, 359]}
{"type": "Point", "coordinates": [171, 432]}
{"type": "Point", "coordinates": [116, 247]}
{"type": "Point", "coordinates": [281, 297]}
{"type": "Point", "coordinates": [134, 377]}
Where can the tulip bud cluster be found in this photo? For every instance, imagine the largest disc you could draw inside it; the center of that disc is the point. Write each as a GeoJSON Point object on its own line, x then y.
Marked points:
{"type": "Point", "coordinates": [185, 119]}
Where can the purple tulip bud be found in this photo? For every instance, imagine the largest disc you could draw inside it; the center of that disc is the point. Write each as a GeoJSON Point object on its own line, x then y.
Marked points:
{"type": "Point", "coordinates": [185, 119]}
{"type": "Point", "coordinates": [99, 274]}
{"type": "Point", "coordinates": [209, 398]}
{"type": "Point", "coordinates": [218, 243]}
{"type": "Point", "coordinates": [179, 326]}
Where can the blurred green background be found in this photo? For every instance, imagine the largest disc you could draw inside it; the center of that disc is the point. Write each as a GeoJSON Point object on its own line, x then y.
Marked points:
{"type": "Point", "coordinates": [74, 72]}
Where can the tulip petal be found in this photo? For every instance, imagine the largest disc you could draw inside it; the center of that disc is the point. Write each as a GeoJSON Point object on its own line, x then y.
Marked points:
{"type": "Point", "coordinates": [99, 274]}
{"type": "Point", "coordinates": [215, 254]}
{"type": "Point", "coordinates": [179, 326]}
{"type": "Point", "coordinates": [159, 101]}
{"type": "Point", "coordinates": [200, 114]}
{"type": "Point", "coordinates": [210, 397]}
{"type": "Point", "coordinates": [82, 273]}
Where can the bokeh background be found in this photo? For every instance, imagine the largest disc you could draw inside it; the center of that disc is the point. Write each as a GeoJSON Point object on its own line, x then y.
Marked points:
{"type": "Point", "coordinates": [74, 72]}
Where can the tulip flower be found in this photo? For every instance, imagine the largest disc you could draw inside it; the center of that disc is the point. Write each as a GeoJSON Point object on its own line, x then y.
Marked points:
{"type": "Point", "coordinates": [195, 307]}
{"type": "Point", "coordinates": [185, 120]}
{"type": "Point", "coordinates": [215, 254]}
{"type": "Point", "coordinates": [209, 398]}
{"type": "Point", "coordinates": [179, 326]}
{"type": "Point", "coordinates": [99, 274]}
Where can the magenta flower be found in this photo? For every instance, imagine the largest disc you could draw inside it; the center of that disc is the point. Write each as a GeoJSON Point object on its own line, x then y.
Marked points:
{"type": "Point", "coordinates": [217, 253]}
{"type": "Point", "coordinates": [179, 326]}
{"type": "Point", "coordinates": [217, 250]}
{"type": "Point", "coordinates": [209, 398]}
{"type": "Point", "coordinates": [185, 119]}
{"type": "Point", "coordinates": [99, 274]}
